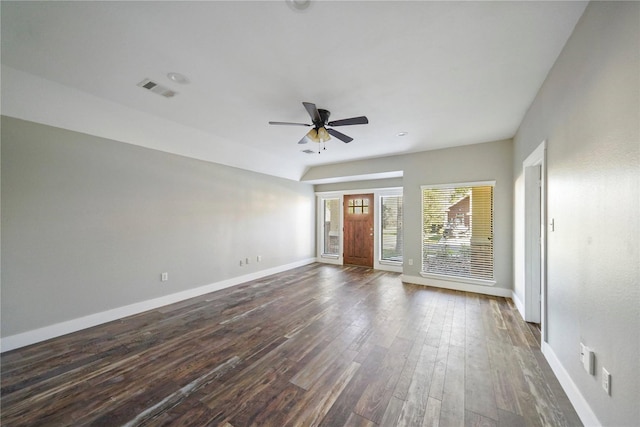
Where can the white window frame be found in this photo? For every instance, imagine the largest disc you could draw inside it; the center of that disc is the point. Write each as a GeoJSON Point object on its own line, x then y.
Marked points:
{"type": "Point", "coordinates": [460, 279]}
{"type": "Point", "coordinates": [392, 265]}
{"type": "Point", "coordinates": [322, 257]}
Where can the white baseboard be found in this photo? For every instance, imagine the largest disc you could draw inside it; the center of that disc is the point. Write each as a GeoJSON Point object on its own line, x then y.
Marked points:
{"type": "Point", "coordinates": [518, 302]}
{"type": "Point", "coordinates": [387, 267]}
{"type": "Point", "coordinates": [42, 334]}
{"type": "Point", "coordinates": [458, 286]}
{"type": "Point", "coordinates": [578, 401]}
{"type": "Point", "coordinates": [330, 260]}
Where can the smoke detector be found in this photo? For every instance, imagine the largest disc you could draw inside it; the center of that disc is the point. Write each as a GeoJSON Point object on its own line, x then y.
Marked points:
{"type": "Point", "coordinates": [298, 5]}
{"type": "Point", "coordinates": [178, 78]}
{"type": "Point", "coordinates": [157, 88]}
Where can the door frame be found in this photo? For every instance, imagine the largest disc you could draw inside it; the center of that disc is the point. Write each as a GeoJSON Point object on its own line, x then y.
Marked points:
{"type": "Point", "coordinates": [377, 193]}
{"type": "Point", "coordinates": [535, 254]}
{"type": "Point", "coordinates": [369, 218]}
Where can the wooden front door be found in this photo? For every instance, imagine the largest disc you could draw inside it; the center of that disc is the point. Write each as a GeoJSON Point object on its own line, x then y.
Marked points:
{"type": "Point", "coordinates": [358, 229]}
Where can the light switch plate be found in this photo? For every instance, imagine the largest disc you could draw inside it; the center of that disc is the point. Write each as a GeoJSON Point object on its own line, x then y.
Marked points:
{"type": "Point", "coordinates": [587, 357]}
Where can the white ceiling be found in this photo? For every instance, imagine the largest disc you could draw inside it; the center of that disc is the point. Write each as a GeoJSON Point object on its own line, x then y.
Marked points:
{"type": "Point", "coordinates": [448, 73]}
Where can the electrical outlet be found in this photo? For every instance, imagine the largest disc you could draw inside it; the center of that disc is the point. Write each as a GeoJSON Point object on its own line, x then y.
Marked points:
{"type": "Point", "coordinates": [246, 260]}
{"type": "Point", "coordinates": [241, 263]}
{"type": "Point", "coordinates": [410, 261]}
{"type": "Point", "coordinates": [164, 277]}
{"type": "Point", "coordinates": [259, 258]}
{"type": "Point", "coordinates": [606, 381]}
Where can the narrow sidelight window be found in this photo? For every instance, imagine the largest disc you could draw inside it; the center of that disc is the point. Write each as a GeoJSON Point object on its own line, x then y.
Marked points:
{"type": "Point", "coordinates": [331, 226]}
{"type": "Point", "coordinates": [391, 225]}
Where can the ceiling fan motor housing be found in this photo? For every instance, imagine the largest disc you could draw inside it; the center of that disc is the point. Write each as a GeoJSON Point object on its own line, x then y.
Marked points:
{"type": "Point", "coordinates": [324, 117]}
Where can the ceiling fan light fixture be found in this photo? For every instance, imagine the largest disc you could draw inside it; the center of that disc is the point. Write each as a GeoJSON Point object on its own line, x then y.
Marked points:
{"type": "Point", "coordinates": [323, 135]}
{"type": "Point", "coordinates": [313, 135]}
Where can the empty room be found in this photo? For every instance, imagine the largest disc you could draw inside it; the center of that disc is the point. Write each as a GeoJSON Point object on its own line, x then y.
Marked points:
{"type": "Point", "coordinates": [314, 212]}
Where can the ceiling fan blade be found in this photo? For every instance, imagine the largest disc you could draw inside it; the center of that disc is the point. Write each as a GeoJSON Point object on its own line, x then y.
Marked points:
{"type": "Point", "coordinates": [362, 120]}
{"type": "Point", "coordinates": [341, 136]}
{"type": "Point", "coordinates": [313, 112]}
{"type": "Point", "coordinates": [289, 124]}
{"type": "Point", "coordinates": [304, 140]}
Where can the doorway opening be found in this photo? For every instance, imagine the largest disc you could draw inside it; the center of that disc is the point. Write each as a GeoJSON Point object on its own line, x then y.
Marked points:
{"type": "Point", "coordinates": [535, 238]}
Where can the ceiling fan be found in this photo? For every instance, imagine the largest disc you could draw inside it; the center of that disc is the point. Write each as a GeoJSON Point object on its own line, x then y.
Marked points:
{"type": "Point", "coordinates": [320, 121]}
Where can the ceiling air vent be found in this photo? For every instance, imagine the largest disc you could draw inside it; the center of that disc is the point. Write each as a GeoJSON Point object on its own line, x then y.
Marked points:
{"type": "Point", "coordinates": [308, 151]}
{"type": "Point", "coordinates": [157, 88]}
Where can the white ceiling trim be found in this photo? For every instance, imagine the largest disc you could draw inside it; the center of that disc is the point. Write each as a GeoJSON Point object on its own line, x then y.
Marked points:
{"type": "Point", "coordinates": [350, 178]}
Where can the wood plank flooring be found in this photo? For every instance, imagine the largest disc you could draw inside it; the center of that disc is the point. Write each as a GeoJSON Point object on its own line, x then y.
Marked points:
{"type": "Point", "coordinates": [318, 345]}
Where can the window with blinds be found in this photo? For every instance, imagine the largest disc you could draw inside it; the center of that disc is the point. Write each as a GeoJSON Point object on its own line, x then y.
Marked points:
{"type": "Point", "coordinates": [457, 230]}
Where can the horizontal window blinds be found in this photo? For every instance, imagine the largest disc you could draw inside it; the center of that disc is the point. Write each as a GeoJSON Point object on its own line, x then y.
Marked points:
{"type": "Point", "coordinates": [457, 231]}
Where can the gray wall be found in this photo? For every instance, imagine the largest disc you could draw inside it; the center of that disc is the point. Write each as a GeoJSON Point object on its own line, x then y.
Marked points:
{"type": "Point", "coordinates": [478, 162]}
{"type": "Point", "coordinates": [589, 111]}
{"type": "Point", "coordinates": [355, 168]}
{"type": "Point", "coordinates": [360, 185]}
{"type": "Point", "coordinates": [88, 224]}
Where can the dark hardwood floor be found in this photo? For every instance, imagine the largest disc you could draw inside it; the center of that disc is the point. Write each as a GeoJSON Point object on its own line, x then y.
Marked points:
{"type": "Point", "coordinates": [534, 328]}
{"type": "Point", "coordinates": [317, 345]}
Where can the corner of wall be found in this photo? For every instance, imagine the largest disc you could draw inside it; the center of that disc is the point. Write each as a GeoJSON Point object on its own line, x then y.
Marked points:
{"type": "Point", "coordinates": [518, 302]}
